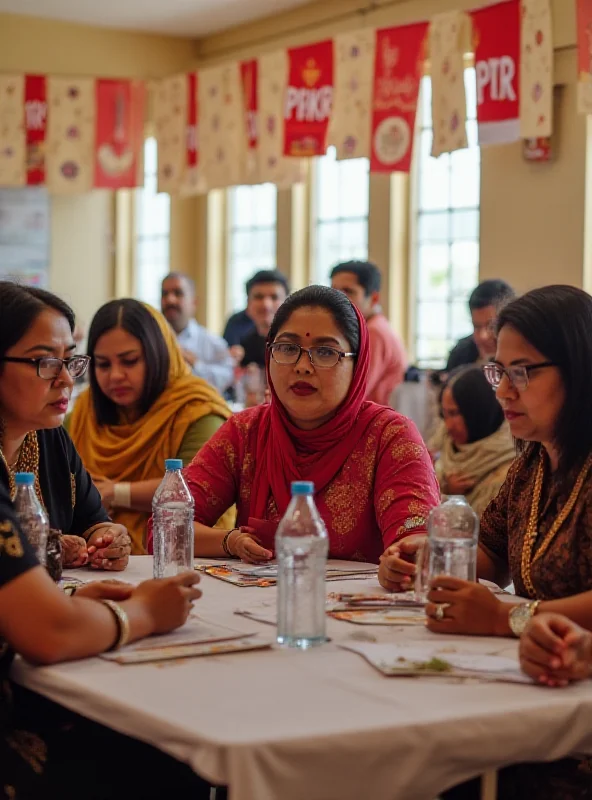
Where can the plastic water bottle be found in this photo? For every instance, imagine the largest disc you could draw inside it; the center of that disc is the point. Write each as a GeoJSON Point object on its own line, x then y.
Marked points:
{"type": "Point", "coordinates": [172, 511]}
{"type": "Point", "coordinates": [453, 530]}
{"type": "Point", "coordinates": [31, 514]}
{"type": "Point", "coordinates": [301, 546]}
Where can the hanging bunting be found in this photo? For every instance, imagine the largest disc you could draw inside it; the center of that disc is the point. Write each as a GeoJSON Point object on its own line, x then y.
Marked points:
{"type": "Point", "coordinates": [223, 140]}
{"type": "Point", "coordinates": [249, 71]}
{"type": "Point", "coordinates": [496, 37]}
{"type": "Point", "coordinates": [119, 134]}
{"type": "Point", "coordinates": [536, 70]}
{"type": "Point", "coordinates": [193, 182]}
{"type": "Point", "coordinates": [449, 33]}
{"type": "Point", "coordinates": [308, 99]}
{"type": "Point", "coordinates": [272, 165]}
{"type": "Point", "coordinates": [70, 135]}
{"type": "Point", "coordinates": [351, 117]}
{"type": "Point", "coordinates": [584, 26]}
{"type": "Point", "coordinates": [12, 132]}
{"type": "Point", "coordinates": [170, 119]}
{"type": "Point", "coordinates": [397, 75]}
{"type": "Point", "coordinates": [35, 127]}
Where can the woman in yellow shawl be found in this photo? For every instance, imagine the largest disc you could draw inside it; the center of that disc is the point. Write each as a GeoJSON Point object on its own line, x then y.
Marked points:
{"type": "Point", "coordinates": [143, 406]}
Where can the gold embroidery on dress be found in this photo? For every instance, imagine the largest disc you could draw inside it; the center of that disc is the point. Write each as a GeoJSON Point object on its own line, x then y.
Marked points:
{"type": "Point", "coordinates": [10, 542]}
{"type": "Point", "coordinates": [30, 748]}
{"type": "Point", "coordinates": [73, 489]}
{"type": "Point", "coordinates": [349, 494]}
{"type": "Point", "coordinates": [385, 501]}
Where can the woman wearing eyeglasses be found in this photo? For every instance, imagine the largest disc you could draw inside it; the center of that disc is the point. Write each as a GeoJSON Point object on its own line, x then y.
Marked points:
{"type": "Point", "coordinates": [38, 367]}
{"type": "Point", "coordinates": [374, 482]}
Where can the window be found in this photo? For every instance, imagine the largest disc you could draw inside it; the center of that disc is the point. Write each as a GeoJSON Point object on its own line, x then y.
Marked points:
{"type": "Point", "coordinates": [340, 209]}
{"type": "Point", "coordinates": [252, 219]}
{"type": "Point", "coordinates": [446, 233]}
{"type": "Point", "coordinates": [153, 223]}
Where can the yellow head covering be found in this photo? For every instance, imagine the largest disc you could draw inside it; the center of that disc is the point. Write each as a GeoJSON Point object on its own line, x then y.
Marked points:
{"type": "Point", "coordinates": [136, 451]}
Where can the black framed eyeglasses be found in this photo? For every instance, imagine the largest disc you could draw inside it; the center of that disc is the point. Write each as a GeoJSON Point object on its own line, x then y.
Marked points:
{"type": "Point", "coordinates": [287, 353]}
{"type": "Point", "coordinates": [519, 375]}
{"type": "Point", "coordinates": [49, 368]}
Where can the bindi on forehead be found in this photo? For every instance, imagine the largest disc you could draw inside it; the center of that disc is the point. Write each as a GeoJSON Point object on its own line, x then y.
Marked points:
{"type": "Point", "coordinates": [308, 335]}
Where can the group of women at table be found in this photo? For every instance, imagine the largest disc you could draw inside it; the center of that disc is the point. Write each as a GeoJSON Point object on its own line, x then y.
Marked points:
{"type": "Point", "coordinates": [374, 486]}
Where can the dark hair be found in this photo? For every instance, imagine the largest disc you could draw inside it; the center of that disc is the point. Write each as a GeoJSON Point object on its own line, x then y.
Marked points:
{"type": "Point", "coordinates": [557, 321]}
{"type": "Point", "coordinates": [491, 293]}
{"type": "Point", "coordinates": [477, 403]}
{"type": "Point", "coordinates": [136, 319]}
{"type": "Point", "coordinates": [336, 303]}
{"type": "Point", "coordinates": [366, 272]}
{"type": "Point", "coordinates": [19, 308]}
{"type": "Point", "coordinates": [180, 277]}
{"type": "Point", "coordinates": [267, 276]}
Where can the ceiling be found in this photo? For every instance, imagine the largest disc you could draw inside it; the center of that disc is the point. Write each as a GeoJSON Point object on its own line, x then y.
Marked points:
{"type": "Point", "coordinates": [192, 18]}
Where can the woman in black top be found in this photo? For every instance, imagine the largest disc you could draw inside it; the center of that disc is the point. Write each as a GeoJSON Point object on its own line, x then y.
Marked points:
{"type": "Point", "coordinates": [38, 367]}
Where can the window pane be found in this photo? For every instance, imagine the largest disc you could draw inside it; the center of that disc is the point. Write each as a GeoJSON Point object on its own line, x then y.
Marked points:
{"type": "Point", "coordinates": [434, 180]}
{"type": "Point", "coordinates": [434, 227]}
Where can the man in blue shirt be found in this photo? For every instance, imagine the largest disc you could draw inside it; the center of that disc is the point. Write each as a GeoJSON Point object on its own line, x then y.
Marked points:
{"type": "Point", "coordinates": [207, 354]}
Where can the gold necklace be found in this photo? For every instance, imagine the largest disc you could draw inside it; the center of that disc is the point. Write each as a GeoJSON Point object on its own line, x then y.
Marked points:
{"type": "Point", "coordinates": [27, 461]}
{"type": "Point", "coordinates": [531, 532]}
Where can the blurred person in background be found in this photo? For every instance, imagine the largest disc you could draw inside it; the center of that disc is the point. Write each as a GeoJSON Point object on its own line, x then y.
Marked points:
{"type": "Point", "coordinates": [360, 281]}
{"type": "Point", "coordinates": [266, 291]}
{"type": "Point", "coordinates": [206, 353]}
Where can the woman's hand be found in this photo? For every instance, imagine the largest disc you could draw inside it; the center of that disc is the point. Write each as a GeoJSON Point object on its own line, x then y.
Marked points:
{"type": "Point", "coordinates": [113, 547]}
{"type": "Point", "coordinates": [105, 590]}
{"type": "Point", "coordinates": [397, 564]}
{"type": "Point", "coordinates": [245, 545]}
{"type": "Point", "coordinates": [468, 608]}
{"type": "Point", "coordinates": [106, 490]}
{"type": "Point", "coordinates": [168, 601]}
{"type": "Point", "coordinates": [459, 484]}
{"type": "Point", "coordinates": [75, 552]}
{"type": "Point", "coordinates": [554, 650]}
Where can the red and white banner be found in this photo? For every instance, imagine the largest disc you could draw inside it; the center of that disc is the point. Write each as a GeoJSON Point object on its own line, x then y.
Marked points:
{"type": "Point", "coordinates": [496, 35]}
{"type": "Point", "coordinates": [250, 82]}
{"type": "Point", "coordinates": [308, 99]}
{"type": "Point", "coordinates": [584, 26]}
{"type": "Point", "coordinates": [192, 138]}
{"type": "Point", "coordinates": [536, 70]}
{"type": "Point", "coordinates": [398, 67]}
{"type": "Point", "coordinates": [69, 164]}
{"type": "Point", "coordinates": [35, 127]}
{"type": "Point", "coordinates": [119, 134]}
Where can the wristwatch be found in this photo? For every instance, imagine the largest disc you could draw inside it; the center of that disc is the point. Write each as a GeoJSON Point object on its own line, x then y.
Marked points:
{"type": "Point", "coordinates": [520, 616]}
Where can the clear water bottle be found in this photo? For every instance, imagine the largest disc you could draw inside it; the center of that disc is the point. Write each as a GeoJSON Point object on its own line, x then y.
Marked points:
{"type": "Point", "coordinates": [453, 533]}
{"type": "Point", "coordinates": [172, 519]}
{"type": "Point", "coordinates": [301, 546]}
{"type": "Point", "coordinates": [31, 514]}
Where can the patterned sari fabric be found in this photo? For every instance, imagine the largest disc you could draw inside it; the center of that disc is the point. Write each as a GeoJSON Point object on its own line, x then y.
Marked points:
{"type": "Point", "coordinates": [373, 477]}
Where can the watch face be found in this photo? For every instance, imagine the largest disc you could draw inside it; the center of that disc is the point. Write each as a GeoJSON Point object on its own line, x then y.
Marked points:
{"type": "Point", "coordinates": [520, 617]}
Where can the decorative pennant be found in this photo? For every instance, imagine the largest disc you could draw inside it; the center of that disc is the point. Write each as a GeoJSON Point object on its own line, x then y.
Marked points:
{"type": "Point", "coordinates": [170, 119]}
{"type": "Point", "coordinates": [250, 99]}
{"type": "Point", "coordinates": [309, 99]}
{"type": "Point", "coordinates": [536, 70]}
{"type": "Point", "coordinates": [496, 37]}
{"type": "Point", "coordinates": [398, 70]}
{"type": "Point", "coordinates": [70, 135]}
{"type": "Point", "coordinates": [35, 127]}
{"type": "Point", "coordinates": [448, 34]}
{"type": "Point", "coordinates": [273, 166]}
{"type": "Point", "coordinates": [351, 118]}
{"type": "Point", "coordinates": [119, 134]}
{"type": "Point", "coordinates": [223, 140]}
{"type": "Point", "coordinates": [12, 131]}
{"type": "Point", "coordinates": [584, 25]}
{"type": "Point", "coordinates": [193, 182]}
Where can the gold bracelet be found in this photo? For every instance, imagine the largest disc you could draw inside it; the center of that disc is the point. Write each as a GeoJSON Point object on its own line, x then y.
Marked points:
{"type": "Point", "coordinates": [122, 495]}
{"type": "Point", "coordinates": [123, 626]}
{"type": "Point", "coordinates": [225, 543]}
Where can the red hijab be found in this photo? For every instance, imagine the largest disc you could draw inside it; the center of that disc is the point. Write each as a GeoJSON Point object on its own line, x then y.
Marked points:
{"type": "Point", "coordinates": [286, 453]}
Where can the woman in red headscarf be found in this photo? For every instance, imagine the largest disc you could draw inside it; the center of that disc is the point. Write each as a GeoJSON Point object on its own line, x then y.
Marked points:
{"type": "Point", "coordinates": [373, 477]}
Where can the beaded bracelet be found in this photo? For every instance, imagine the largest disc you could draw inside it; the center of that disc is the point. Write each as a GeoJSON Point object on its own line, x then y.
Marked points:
{"type": "Point", "coordinates": [225, 543]}
{"type": "Point", "coordinates": [123, 626]}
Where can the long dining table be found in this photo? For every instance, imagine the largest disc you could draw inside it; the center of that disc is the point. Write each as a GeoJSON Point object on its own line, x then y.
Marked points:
{"type": "Point", "coordinates": [321, 724]}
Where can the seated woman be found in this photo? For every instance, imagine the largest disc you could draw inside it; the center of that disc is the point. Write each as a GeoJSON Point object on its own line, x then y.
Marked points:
{"type": "Point", "coordinates": [478, 448]}
{"type": "Point", "coordinates": [46, 751]}
{"type": "Point", "coordinates": [38, 367]}
{"type": "Point", "coordinates": [143, 407]}
{"type": "Point", "coordinates": [374, 481]}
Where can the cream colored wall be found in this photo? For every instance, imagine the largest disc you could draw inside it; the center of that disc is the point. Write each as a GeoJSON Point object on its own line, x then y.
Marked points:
{"type": "Point", "coordinates": [82, 254]}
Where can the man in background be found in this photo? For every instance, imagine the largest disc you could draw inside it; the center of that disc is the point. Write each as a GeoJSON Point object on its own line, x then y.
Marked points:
{"type": "Point", "coordinates": [484, 304]}
{"type": "Point", "coordinates": [266, 291]}
{"type": "Point", "coordinates": [207, 354]}
{"type": "Point", "coordinates": [360, 281]}
{"type": "Point", "coordinates": [238, 326]}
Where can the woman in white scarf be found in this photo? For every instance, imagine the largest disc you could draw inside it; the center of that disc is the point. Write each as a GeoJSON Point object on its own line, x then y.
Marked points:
{"type": "Point", "coordinates": [478, 449]}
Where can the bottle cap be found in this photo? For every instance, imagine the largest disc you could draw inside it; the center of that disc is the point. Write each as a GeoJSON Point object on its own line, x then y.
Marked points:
{"type": "Point", "coordinates": [24, 478]}
{"type": "Point", "coordinates": [302, 487]}
{"type": "Point", "coordinates": [173, 463]}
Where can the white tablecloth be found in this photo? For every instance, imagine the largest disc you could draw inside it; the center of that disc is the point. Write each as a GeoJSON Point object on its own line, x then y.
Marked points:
{"type": "Point", "coordinates": [322, 724]}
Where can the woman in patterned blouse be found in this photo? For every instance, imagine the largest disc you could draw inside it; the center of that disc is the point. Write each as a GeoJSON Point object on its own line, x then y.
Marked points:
{"type": "Point", "coordinates": [374, 481]}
